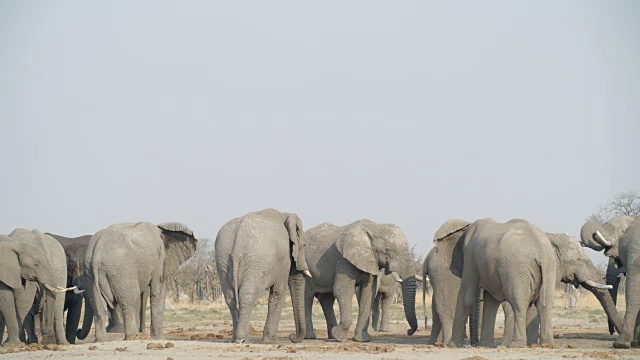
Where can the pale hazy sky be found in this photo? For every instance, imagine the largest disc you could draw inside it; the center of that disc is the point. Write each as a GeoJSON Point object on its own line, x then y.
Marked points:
{"type": "Point", "coordinates": [405, 112]}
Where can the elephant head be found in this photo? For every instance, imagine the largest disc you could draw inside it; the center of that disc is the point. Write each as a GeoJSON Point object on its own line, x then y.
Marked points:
{"type": "Point", "coordinates": [575, 267]}
{"type": "Point", "coordinates": [599, 237]}
{"type": "Point", "coordinates": [371, 247]}
{"type": "Point", "coordinates": [23, 261]}
{"type": "Point", "coordinates": [179, 245]}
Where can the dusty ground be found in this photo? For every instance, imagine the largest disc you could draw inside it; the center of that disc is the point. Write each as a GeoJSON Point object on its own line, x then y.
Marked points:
{"type": "Point", "coordinates": [203, 331]}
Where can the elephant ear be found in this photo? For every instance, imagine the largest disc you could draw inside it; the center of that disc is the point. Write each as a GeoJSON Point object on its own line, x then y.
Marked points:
{"type": "Point", "coordinates": [9, 265]}
{"type": "Point", "coordinates": [296, 237]}
{"type": "Point", "coordinates": [179, 245]}
{"type": "Point", "coordinates": [450, 227]}
{"type": "Point", "coordinates": [355, 245]}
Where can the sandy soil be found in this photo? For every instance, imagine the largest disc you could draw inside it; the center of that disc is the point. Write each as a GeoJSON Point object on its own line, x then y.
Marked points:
{"type": "Point", "coordinates": [204, 332]}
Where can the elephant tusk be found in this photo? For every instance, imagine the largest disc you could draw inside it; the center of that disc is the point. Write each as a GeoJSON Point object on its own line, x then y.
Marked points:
{"type": "Point", "coordinates": [598, 286]}
{"type": "Point", "coordinates": [601, 240]}
{"type": "Point", "coordinates": [307, 273]}
{"type": "Point", "coordinates": [419, 278]}
{"type": "Point", "coordinates": [56, 289]}
{"type": "Point", "coordinates": [396, 277]}
{"type": "Point", "coordinates": [77, 291]}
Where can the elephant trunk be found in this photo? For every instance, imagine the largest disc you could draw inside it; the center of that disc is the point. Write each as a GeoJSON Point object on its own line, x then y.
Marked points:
{"type": "Point", "coordinates": [606, 299]}
{"type": "Point", "coordinates": [409, 287]}
{"type": "Point", "coordinates": [613, 280]}
{"type": "Point", "coordinates": [296, 288]}
{"type": "Point", "coordinates": [86, 321]}
{"type": "Point", "coordinates": [474, 320]}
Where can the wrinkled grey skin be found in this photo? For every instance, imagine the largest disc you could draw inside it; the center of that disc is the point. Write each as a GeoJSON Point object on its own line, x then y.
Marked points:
{"type": "Point", "coordinates": [343, 257]}
{"type": "Point", "coordinates": [573, 267]}
{"type": "Point", "coordinates": [443, 266]}
{"type": "Point", "coordinates": [24, 267]}
{"type": "Point", "coordinates": [263, 250]}
{"type": "Point", "coordinates": [513, 262]}
{"type": "Point", "coordinates": [381, 307]}
{"type": "Point", "coordinates": [53, 312]}
{"type": "Point", "coordinates": [623, 235]}
{"type": "Point", "coordinates": [75, 250]}
{"type": "Point", "coordinates": [122, 261]}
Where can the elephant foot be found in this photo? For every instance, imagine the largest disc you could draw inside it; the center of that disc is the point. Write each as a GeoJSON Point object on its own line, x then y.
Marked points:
{"type": "Point", "coordinates": [13, 342]}
{"type": "Point", "coordinates": [489, 344]}
{"type": "Point", "coordinates": [363, 337]}
{"type": "Point", "coordinates": [455, 343]}
{"type": "Point", "coordinates": [63, 342]}
{"type": "Point", "coordinates": [622, 344]}
{"type": "Point", "coordinates": [339, 333]}
{"type": "Point", "coordinates": [115, 329]}
{"type": "Point", "coordinates": [270, 340]}
{"type": "Point", "coordinates": [384, 328]}
{"type": "Point", "coordinates": [310, 335]}
{"type": "Point", "coordinates": [518, 344]}
{"type": "Point", "coordinates": [48, 339]}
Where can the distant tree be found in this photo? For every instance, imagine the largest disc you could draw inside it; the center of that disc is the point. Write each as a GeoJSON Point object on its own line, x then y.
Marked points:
{"type": "Point", "coordinates": [623, 203]}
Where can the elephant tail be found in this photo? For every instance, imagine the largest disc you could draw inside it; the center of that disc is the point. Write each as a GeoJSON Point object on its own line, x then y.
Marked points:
{"type": "Point", "coordinates": [542, 282]}
{"type": "Point", "coordinates": [234, 279]}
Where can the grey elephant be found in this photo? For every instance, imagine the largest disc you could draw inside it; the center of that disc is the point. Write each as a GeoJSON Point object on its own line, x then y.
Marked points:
{"type": "Point", "coordinates": [620, 240]}
{"type": "Point", "coordinates": [53, 311]}
{"type": "Point", "coordinates": [343, 257]}
{"type": "Point", "coordinates": [122, 261]}
{"type": "Point", "coordinates": [381, 307]}
{"type": "Point", "coordinates": [511, 262]}
{"type": "Point", "coordinates": [445, 277]}
{"type": "Point", "coordinates": [20, 264]}
{"type": "Point", "coordinates": [573, 267]}
{"type": "Point", "coordinates": [260, 251]}
{"type": "Point", "coordinates": [75, 250]}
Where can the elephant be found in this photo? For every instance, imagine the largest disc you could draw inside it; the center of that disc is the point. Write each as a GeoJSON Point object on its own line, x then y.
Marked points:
{"type": "Point", "coordinates": [620, 240]}
{"type": "Point", "coordinates": [260, 251]}
{"type": "Point", "coordinates": [75, 250]}
{"type": "Point", "coordinates": [122, 261]}
{"type": "Point", "coordinates": [25, 269]}
{"type": "Point", "coordinates": [513, 262]}
{"type": "Point", "coordinates": [343, 257]}
{"type": "Point", "coordinates": [53, 311]}
{"type": "Point", "coordinates": [444, 276]}
{"type": "Point", "coordinates": [574, 268]}
{"type": "Point", "coordinates": [381, 307]}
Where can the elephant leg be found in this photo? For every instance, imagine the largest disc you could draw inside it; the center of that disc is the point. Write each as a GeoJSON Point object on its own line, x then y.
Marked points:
{"type": "Point", "coordinates": [308, 310]}
{"type": "Point", "coordinates": [633, 307]}
{"type": "Point", "coordinates": [47, 317]}
{"type": "Point", "coordinates": [230, 299]}
{"type": "Point", "coordinates": [73, 318]}
{"type": "Point", "coordinates": [385, 308]}
{"type": "Point", "coordinates": [157, 297]}
{"type": "Point", "coordinates": [8, 310]}
{"type": "Point", "coordinates": [375, 312]}
{"type": "Point", "coordinates": [489, 312]}
{"type": "Point", "coordinates": [130, 313]}
{"type": "Point", "coordinates": [636, 333]}
{"type": "Point", "coordinates": [464, 305]}
{"type": "Point", "coordinates": [343, 290]}
{"type": "Point", "coordinates": [367, 293]}
{"type": "Point", "coordinates": [533, 325]}
{"type": "Point", "coordinates": [544, 304]}
{"type": "Point", "coordinates": [116, 321]}
{"type": "Point", "coordinates": [436, 329]}
{"type": "Point", "coordinates": [247, 302]}
{"type": "Point", "coordinates": [520, 324]}
{"type": "Point", "coordinates": [144, 298]}
{"type": "Point", "coordinates": [276, 298]}
{"type": "Point", "coordinates": [508, 324]}
{"type": "Point", "coordinates": [58, 319]}
{"type": "Point", "coordinates": [327, 301]}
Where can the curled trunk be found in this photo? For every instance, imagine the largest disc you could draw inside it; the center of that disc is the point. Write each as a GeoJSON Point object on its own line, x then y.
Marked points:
{"type": "Point", "coordinates": [409, 287]}
{"type": "Point", "coordinates": [296, 287]}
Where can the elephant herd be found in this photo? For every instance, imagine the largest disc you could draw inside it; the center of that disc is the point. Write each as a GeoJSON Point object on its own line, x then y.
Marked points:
{"type": "Point", "coordinates": [114, 272]}
{"type": "Point", "coordinates": [473, 269]}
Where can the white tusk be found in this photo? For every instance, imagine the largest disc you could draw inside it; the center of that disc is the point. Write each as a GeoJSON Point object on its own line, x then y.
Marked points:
{"type": "Point", "coordinates": [307, 273]}
{"type": "Point", "coordinates": [54, 289]}
{"type": "Point", "coordinates": [600, 239]}
{"type": "Point", "coordinates": [396, 277]}
{"type": "Point", "coordinates": [77, 291]}
{"type": "Point", "coordinates": [598, 286]}
{"type": "Point", "coordinates": [419, 278]}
